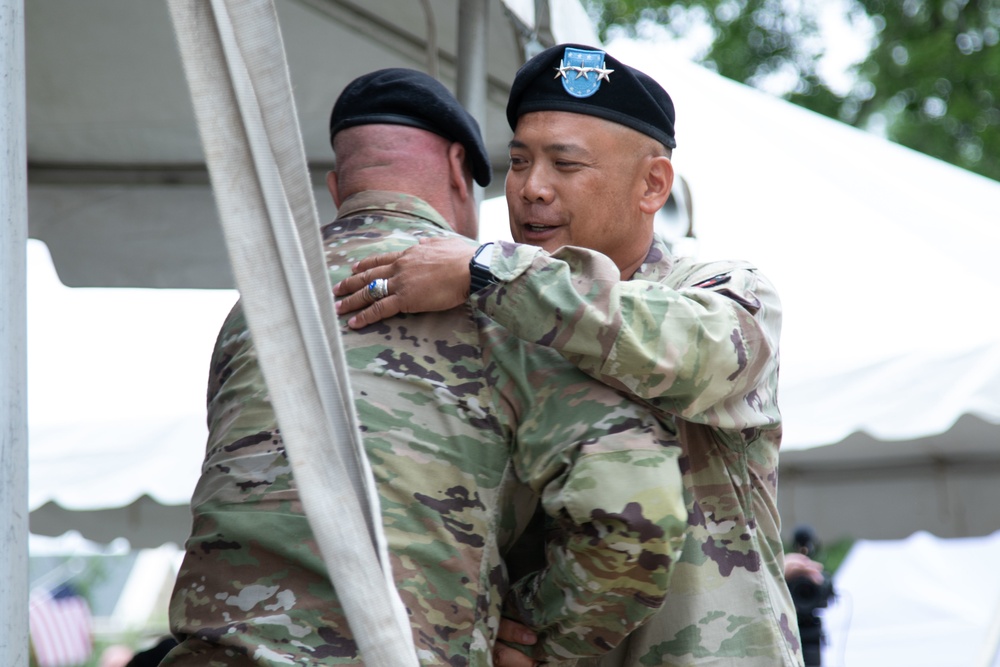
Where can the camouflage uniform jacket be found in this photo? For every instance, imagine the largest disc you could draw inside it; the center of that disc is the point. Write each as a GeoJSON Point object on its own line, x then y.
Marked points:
{"type": "Point", "coordinates": [466, 428]}
{"type": "Point", "coordinates": [698, 343]}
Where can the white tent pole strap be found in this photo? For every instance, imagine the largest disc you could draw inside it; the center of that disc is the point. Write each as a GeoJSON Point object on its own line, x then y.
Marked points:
{"type": "Point", "coordinates": [266, 142]}
{"type": "Point", "coordinates": [336, 514]}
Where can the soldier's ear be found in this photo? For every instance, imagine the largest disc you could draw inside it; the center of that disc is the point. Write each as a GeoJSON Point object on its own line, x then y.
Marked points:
{"type": "Point", "coordinates": [659, 180]}
{"type": "Point", "coordinates": [459, 175]}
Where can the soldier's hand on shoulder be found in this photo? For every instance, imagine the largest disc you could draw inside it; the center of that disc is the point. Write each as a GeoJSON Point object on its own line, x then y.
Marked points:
{"type": "Point", "coordinates": [430, 276]}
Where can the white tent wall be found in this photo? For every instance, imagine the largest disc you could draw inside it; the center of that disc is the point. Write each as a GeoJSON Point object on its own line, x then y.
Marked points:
{"type": "Point", "coordinates": [116, 404]}
{"type": "Point", "coordinates": [919, 602]}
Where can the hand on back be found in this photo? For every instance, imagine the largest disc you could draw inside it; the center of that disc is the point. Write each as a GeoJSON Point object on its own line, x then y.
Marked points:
{"type": "Point", "coordinates": [430, 276]}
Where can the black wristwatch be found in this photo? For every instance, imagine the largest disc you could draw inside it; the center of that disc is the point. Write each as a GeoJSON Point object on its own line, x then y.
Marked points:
{"type": "Point", "coordinates": [480, 275]}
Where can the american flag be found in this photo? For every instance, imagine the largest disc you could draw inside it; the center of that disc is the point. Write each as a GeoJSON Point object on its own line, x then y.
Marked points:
{"type": "Point", "coordinates": [59, 623]}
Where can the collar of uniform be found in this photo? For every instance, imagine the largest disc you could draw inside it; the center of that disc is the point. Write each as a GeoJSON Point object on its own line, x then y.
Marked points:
{"type": "Point", "coordinates": [390, 203]}
{"type": "Point", "coordinates": [658, 263]}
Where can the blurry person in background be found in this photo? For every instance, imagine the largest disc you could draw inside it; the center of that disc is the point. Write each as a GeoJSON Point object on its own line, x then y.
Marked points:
{"type": "Point", "coordinates": [811, 591]}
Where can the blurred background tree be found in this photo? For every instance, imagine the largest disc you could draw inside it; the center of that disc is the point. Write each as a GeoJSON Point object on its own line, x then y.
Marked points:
{"type": "Point", "coordinates": [930, 79]}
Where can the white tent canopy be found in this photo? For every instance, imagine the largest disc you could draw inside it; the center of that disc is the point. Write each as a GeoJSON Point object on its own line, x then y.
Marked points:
{"type": "Point", "coordinates": [117, 183]}
{"type": "Point", "coordinates": [881, 255]}
{"type": "Point", "coordinates": [116, 404]}
{"type": "Point", "coordinates": [919, 602]}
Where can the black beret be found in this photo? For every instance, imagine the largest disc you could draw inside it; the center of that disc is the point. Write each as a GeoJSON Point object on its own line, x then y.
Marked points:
{"type": "Point", "coordinates": [582, 79]}
{"type": "Point", "coordinates": [399, 96]}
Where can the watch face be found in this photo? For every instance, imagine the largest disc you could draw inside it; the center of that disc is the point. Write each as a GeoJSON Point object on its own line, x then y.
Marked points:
{"type": "Point", "coordinates": [480, 275]}
{"type": "Point", "coordinates": [484, 256]}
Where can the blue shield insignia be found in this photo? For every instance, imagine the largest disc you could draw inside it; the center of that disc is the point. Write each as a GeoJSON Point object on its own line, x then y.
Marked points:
{"type": "Point", "coordinates": [581, 71]}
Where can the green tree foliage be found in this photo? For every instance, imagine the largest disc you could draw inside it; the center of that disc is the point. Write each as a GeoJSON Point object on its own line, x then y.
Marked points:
{"type": "Point", "coordinates": [931, 80]}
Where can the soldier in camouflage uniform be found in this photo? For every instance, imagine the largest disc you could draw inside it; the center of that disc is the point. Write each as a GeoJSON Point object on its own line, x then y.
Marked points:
{"type": "Point", "coordinates": [695, 342]}
{"type": "Point", "coordinates": [467, 430]}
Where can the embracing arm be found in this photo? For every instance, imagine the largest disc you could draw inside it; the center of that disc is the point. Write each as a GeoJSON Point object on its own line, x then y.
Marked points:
{"type": "Point", "coordinates": [616, 500]}
{"type": "Point", "coordinates": [692, 346]}
{"type": "Point", "coordinates": [702, 343]}
{"type": "Point", "coordinates": [430, 276]}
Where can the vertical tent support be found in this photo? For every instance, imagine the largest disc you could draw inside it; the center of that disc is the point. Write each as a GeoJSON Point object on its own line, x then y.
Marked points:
{"type": "Point", "coordinates": [471, 76]}
{"type": "Point", "coordinates": [432, 42]}
{"type": "Point", "coordinates": [472, 38]}
{"type": "Point", "coordinates": [13, 335]}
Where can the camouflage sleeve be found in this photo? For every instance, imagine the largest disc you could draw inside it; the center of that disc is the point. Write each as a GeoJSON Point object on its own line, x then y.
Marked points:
{"type": "Point", "coordinates": [608, 477]}
{"type": "Point", "coordinates": [695, 349]}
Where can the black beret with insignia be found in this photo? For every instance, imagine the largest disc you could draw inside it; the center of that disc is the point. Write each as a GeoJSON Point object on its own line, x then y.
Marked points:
{"type": "Point", "coordinates": [582, 79]}
{"type": "Point", "coordinates": [400, 96]}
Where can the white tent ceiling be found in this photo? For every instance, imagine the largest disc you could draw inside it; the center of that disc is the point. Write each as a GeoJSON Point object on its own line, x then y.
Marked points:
{"type": "Point", "coordinates": [117, 183]}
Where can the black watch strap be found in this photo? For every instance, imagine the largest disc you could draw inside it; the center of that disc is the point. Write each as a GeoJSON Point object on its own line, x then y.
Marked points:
{"type": "Point", "coordinates": [480, 275]}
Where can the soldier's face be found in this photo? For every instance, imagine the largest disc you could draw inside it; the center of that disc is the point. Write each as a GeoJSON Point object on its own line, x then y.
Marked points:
{"type": "Point", "coordinates": [578, 180]}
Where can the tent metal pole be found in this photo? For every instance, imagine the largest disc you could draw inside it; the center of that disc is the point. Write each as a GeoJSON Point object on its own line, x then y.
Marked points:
{"type": "Point", "coordinates": [473, 42]}
{"type": "Point", "coordinates": [13, 340]}
{"type": "Point", "coordinates": [432, 43]}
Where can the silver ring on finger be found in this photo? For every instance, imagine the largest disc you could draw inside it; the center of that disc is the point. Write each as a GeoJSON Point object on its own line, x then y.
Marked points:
{"type": "Point", "coordinates": [378, 289]}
